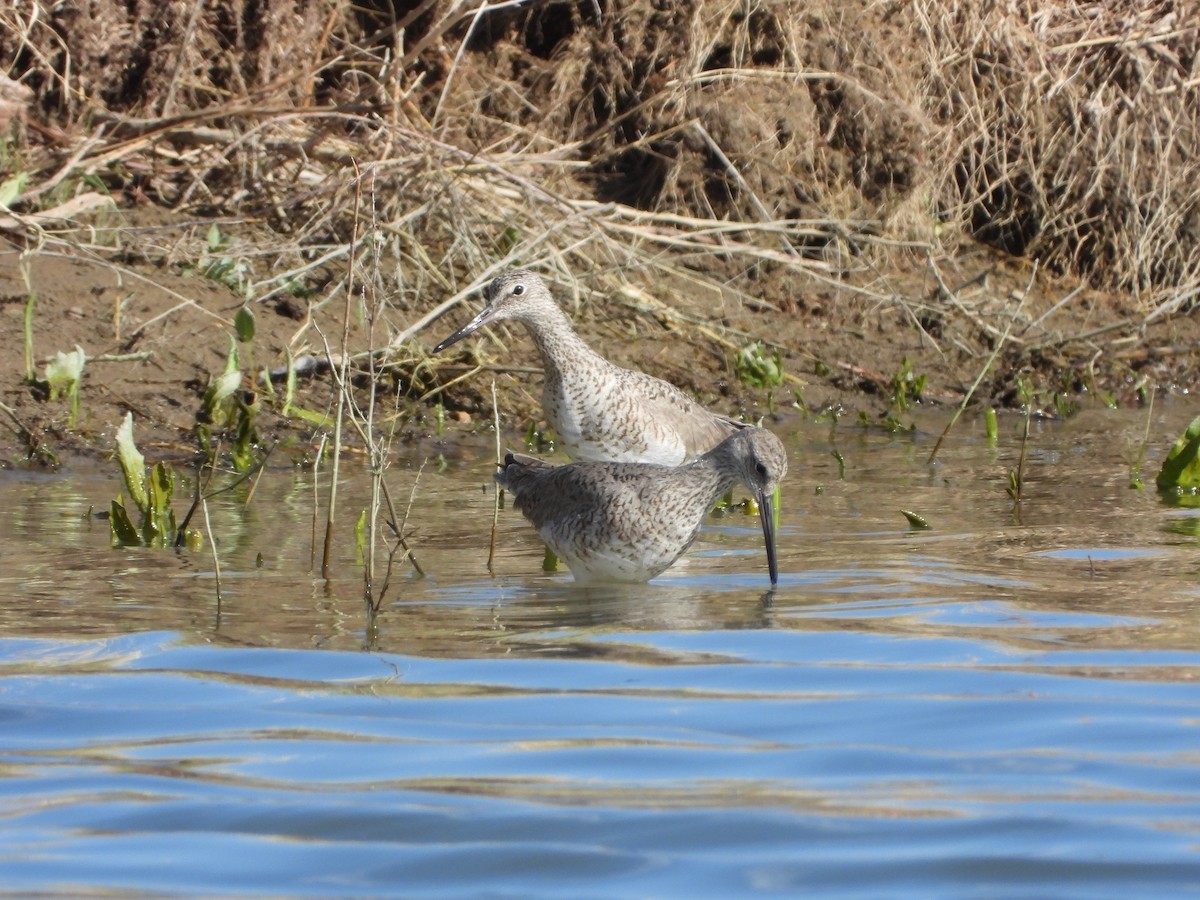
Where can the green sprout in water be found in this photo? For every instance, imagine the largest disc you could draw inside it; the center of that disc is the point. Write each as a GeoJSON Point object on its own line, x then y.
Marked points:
{"type": "Point", "coordinates": [916, 521]}
{"type": "Point", "coordinates": [150, 493]}
{"type": "Point", "coordinates": [990, 426]}
{"type": "Point", "coordinates": [907, 387]}
{"type": "Point", "coordinates": [1016, 477]}
{"type": "Point", "coordinates": [1180, 472]}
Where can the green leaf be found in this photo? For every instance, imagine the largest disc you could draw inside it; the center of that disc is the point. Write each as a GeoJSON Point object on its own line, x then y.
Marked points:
{"type": "Point", "coordinates": [1181, 469]}
{"type": "Point", "coordinates": [360, 535]}
{"type": "Point", "coordinates": [226, 384]}
{"type": "Point", "coordinates": [225, 387]}
{"type": "Point", "coordinates": [508, 239]}
{"type": "Point", "coordinates": [244, 449]}
{"type": "Point", "coordinates": [213, 238]}
{"type": "Point", "coordinates": [308, 415]}
{"type": "Point", "coordinates": [989, 422]}
{"type": "Point", "coordinates": [1014, 485]}
{"type": "Point", "coordinates": [243, 323]}
{"type": "Point", "coordinates": [133, 464]}
{"type": "Point", "coordinates": [10, 189]}
{"type": "Point", "coordinates": [123, 532]}
{"type": "Point", "coordinates": [161, 519]}
{"type": "Point", "coordinates": [915, 520]}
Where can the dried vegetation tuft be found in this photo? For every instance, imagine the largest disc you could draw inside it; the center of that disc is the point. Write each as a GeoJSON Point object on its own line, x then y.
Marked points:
{"type": "Point", "coordinates": [630, 143]}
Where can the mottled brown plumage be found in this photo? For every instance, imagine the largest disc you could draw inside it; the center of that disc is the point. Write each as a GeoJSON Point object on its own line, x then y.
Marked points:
{"type": "Point", "coordinates": [599, 411]}
{"type": "Point", "coordinates": [632, 521]}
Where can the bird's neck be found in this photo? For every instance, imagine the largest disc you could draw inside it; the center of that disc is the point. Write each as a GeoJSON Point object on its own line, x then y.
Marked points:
{"type": "Point", "coordinates": [558, 343]}
{"type": "Point", "coordinates": [712, 476]}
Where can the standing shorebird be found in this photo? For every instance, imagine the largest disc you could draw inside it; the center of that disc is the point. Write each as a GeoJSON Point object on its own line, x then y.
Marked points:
{"type": "Point", "coordinates": [631, 521]}
{"type": "Point", "coordinates": [599, 411]}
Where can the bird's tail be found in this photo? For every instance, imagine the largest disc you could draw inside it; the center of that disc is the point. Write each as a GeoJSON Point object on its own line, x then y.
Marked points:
{"type": "Point", "coordinates": [517, 469]}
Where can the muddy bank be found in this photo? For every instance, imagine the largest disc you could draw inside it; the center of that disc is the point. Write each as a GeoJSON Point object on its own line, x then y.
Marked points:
{"type": "Point", "coordinates": [157, 334]}
{"type": "Point", "coordinates": [900, 203]}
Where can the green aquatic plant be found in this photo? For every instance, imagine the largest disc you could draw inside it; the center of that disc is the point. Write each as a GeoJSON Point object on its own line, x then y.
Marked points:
{"type": "Point", "coordinates": [756, 369]}
{"type": "Point", "coordinates": [1016, 477]}
{"type": "Point", "coordinates": [149, 491]}
{"type": "Point", "coordinates": [539, 440]}
{"type": "Point", "coordinates": [907, 387]}
{"type": "Point", "coordinates": [226, 408]}
{"type": "Point", "coordinates": [841, 462]}
{"type": "Point", "coordinates": [1180, 472]}
{"type": "Point", "coordinates": [990, 426]}
{"type": "Point", "coordinates": [1064, 405]}
{"type": "Point", "coordinates": [893, 425]}
{"type": "Point", "coordinates": [63, 375]}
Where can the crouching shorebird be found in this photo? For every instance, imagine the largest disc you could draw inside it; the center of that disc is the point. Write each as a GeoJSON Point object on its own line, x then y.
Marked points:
{"type": "Point", "coordinates": [599, 411]}
{"type": "Point", "coordinates": [631, 521]}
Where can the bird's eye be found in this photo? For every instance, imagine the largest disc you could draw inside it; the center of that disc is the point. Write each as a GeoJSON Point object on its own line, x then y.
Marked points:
{"type": "Point", "coordinates": [760, 469]}
{"type": "Point", "coordinates": [518, 290]}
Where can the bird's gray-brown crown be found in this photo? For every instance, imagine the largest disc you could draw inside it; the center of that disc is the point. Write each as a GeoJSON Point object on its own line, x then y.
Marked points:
{"type": "Point", "coordinates": [760, 459]}
{"type": "Point", "coordinates": [516, 282]}
{"type": "Point", "coordinates": [521, 295]}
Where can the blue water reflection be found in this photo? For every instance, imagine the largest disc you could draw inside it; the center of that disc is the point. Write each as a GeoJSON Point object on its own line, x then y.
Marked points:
{"type": "Point", "coordinates": [998, 708]}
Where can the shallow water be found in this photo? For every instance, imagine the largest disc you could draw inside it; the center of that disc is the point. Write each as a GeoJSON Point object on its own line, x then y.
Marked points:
{"type": "Point", "coordinates": [1003, 706]}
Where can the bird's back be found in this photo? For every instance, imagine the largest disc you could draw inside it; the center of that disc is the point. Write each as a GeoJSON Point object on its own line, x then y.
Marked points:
{"type": "Point", "coordinates": [606, 521]}
{"type": "Point", "coordinates": [604, 413]}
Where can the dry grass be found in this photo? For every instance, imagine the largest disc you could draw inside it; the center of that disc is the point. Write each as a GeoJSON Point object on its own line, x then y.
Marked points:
{"type": "Point", "coordinates": [1073, 135]}
{"type": "Point", "coordinates": [679, 145]}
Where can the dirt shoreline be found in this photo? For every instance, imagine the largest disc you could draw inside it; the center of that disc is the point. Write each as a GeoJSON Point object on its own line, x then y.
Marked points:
{"type": "Point", "coordinates": [908, 203]}
{"type": "Point", "coordinates": [157, 333]}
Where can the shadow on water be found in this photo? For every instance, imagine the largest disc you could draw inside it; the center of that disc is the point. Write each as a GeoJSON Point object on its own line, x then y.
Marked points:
{"type": "Point", "coordinates": [1005, 703]}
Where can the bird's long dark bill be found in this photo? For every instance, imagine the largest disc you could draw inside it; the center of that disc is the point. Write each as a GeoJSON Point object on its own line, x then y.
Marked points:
{"type": "Point", "coordinates": [766, 514]}
{"type": "Point", "coordinates": [476, 323]}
